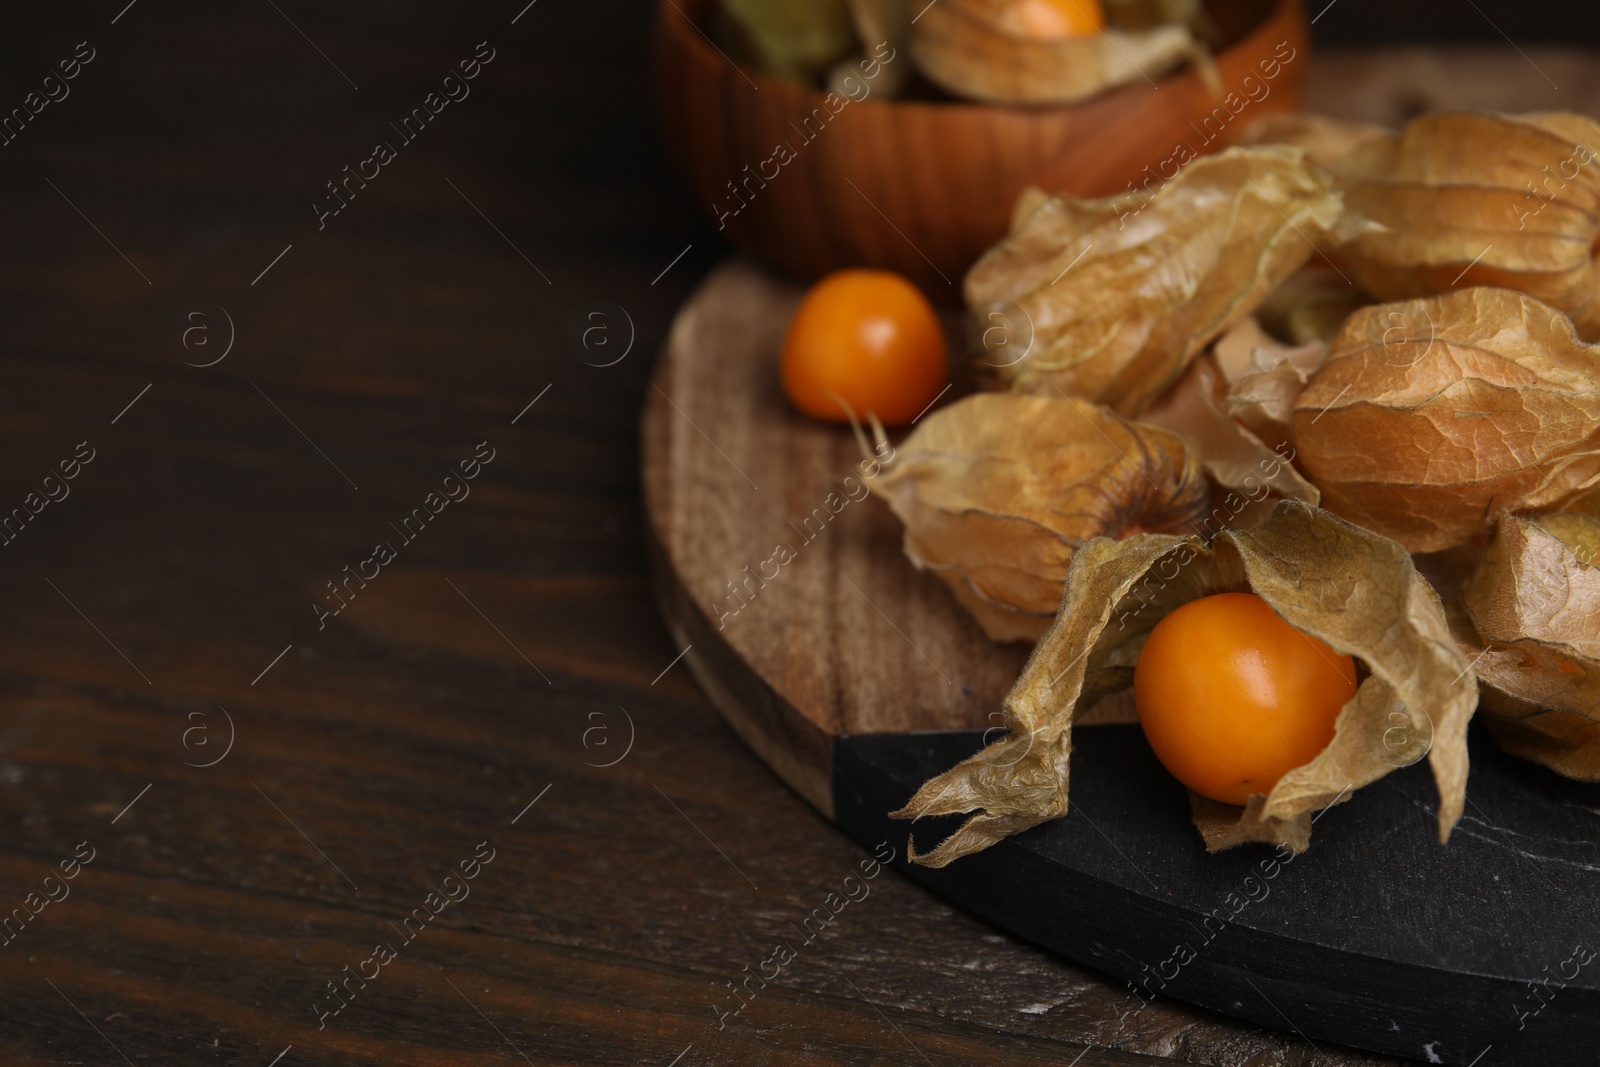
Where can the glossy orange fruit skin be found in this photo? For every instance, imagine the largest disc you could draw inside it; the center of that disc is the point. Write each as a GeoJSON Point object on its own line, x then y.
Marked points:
{"type": "Point", "coordinates": [1231, 696]}
{"type": "Point", "coordinates": [869, 337]}
{"type": "Point", "coordinates": [1047, 20]}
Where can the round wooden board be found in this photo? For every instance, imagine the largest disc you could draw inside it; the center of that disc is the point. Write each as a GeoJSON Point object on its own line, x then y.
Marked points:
{"type": "Point", "coordinates": [848, 636]}
{"type": "Point", "coordinates": [829, 666]}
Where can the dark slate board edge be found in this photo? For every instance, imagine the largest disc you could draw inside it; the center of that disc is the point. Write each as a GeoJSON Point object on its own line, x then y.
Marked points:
{"type": "Point", "coordinates": [1402, 1009]}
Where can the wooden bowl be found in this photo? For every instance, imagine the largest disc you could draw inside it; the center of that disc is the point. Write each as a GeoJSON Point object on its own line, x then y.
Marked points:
{"type": "Point", "coordinates": [924, 186]}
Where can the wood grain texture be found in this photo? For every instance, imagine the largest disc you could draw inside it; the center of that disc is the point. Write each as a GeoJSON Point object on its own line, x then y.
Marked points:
{"type": "Point", "coordinates": [412, 727]}
{"type": "Point", "coordinates": [919, 186]}
{"type": "Point", "coordinates": [851, 638]}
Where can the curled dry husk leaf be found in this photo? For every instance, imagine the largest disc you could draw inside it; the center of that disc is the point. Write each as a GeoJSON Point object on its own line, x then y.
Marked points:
{"type": "Point", "coordinates": [997, 491]}
{"type": "Point", "coordinates": [1326, 141]}
{"type": "Point", "coordinates": [1430, 415]}
{"type": "Point", "coordinates": [881, 22]}
{"type": "Point", "coordinates": [1471, 198]}
{"type": "Point", "coordinates": [1123, 293]}
{"type": "Point", "coordinates": [1355, 590]}
{"type": "Point", "coordinates": [794, 39]}
{"type": "Point", "coordinates": [1534, 602]}
{"type": "Point", "coordinates": [882, 27]}
{"type": "Point", "coordinates": [1262, 394]}
{"type": "Point", "coordinates": [969, 48]}
{"type": "Point", "coordinates": [1234, 403]}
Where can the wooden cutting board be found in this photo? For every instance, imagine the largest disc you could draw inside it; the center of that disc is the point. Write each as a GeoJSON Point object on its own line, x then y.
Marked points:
{"type": "Point", "coordinates": [855, 677]}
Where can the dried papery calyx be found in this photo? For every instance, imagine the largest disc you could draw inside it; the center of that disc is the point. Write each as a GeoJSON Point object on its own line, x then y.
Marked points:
{"type": "Point", "coordinates": [971, 49]}
{"type": "Point", "coordinates": [1123, 293]}
{"type": "Point", "coordinates": [1567, 743]}
{"type": "Point", "coordinates": [1232, 457]}
{"type": "Point", "coordinates": [1429, 415]}
{"type": "Point", "coordinates": [793, 39]}
{"type": "Point", "coordinates": [1534, 602]}
{"type": "Point", "coordinates": [881, 22]}
{"type": "Point", "coordinates": [1326, 141]}
{"type": "Point", "coordinates": [1586, 503]}
{"type": "Point", "coordinates": [1262, 394]}
{"type": "Point", "coordinates": [1353, 589]}
{"type": "Point", "coordinates": [884, 29]}
{"type": "Point", "coordinates": [997, 491]}
{"type": "Point", "coordinates": [1233, 403]}
{"type": "Point", "coordinates": [1473, 198]}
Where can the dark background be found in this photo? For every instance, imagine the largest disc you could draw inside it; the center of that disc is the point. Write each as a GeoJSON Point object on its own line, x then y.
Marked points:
{"type": "Point", "coordinates": [573, 108]}
{"type": "Point", "coordinates": [186, 558]}
{"type": "Point", "coordinates": [1359, 22]}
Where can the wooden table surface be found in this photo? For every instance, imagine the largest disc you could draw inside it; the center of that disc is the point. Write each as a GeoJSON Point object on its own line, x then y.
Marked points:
{"type": "Point", "coordinates": [239, 827]}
